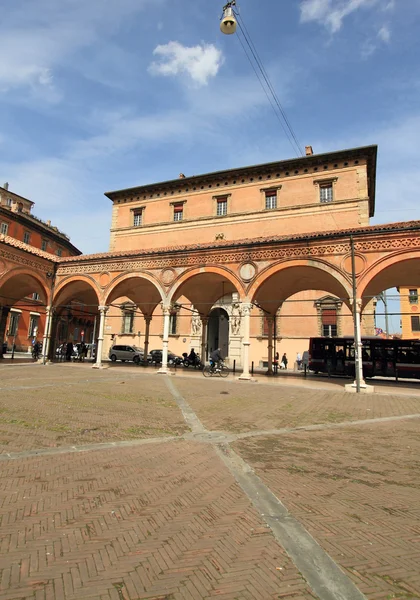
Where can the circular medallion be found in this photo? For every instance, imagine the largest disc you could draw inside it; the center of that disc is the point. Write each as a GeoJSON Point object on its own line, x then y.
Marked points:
{"type": "Point", "coordinates": [104, 279]}
{"type": "Point", "coordinates": [167, 276]}
{"type": "Point", "coordinates": [359, 263]}
{"type": "Point", "coordinates": [247, 271]}
{"type": "Point", "coordinates": [414, 308]}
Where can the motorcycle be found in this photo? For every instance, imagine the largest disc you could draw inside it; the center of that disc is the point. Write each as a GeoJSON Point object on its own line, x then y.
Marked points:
{"type": "Point", "coordinates": [187, 362]}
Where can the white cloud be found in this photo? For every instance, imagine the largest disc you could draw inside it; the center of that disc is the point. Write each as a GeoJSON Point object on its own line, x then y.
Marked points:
{"type": "Point", "coordinates": [41, 36]}
{"type": "Point", "coordinates": [384, 34]}
{"type": "Point", "coordinates": [331, 13]}
{"type": "Point", "coordinates": [200, 62]}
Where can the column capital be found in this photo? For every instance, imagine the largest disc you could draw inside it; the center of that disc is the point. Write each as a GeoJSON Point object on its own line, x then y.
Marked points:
{"type": "Point", "coordinates": [147, 319]}
{"type": "Point", "coordinates": [103, 309]}
{"type": "Point", "coordinates": [204, 320]}
{"type": "Point", "coordinates": [166, 309]}
{"type": "Point", "coordinates": [246, 308]}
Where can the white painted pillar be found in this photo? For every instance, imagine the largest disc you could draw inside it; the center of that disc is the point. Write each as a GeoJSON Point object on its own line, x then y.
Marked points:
{"type": "Point", "coordinates": [246, 316]}
{"type": "Point", "coordinates": [270, 323]}
{"type": "Point", "coordinates": [166, 315]}
{"type": "Point", "coordinates": [102, 314]}
{"type": "Point", "coordinates": [47, 334]}
{"type": "Point", "coordinates": [204, 331]}
{"type": "Point", "coordinates": [358, 363]}
{"type": "Point", "coordinates": [146, 336]}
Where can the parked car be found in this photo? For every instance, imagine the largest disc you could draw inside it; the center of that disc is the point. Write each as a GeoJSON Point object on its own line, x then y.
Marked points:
{"type": "Point", "coordinates": [124, 353]}
{"type": "Point", "coordinates": [173, 359]}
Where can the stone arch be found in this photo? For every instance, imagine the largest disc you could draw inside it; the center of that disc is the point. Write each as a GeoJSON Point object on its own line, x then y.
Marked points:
{"type": "Point", "coordinates": [286, 278]}
{"type": "Point", "coordinates": [204, 286]}
{"type": "Point", "coordinates": [79, 286]}
{"type": "Point", "coordinates": [143, 289]}
{"type": "Point", "coordinates": [19, 282]}
{"type": "Point", "coordinates": [397, 269]}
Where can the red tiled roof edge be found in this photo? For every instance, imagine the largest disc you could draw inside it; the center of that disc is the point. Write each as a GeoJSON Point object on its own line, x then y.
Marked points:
{"type": "Point", "coordinates": [404, 225]}
{"type": "Point", "coordinates": [9, 241]}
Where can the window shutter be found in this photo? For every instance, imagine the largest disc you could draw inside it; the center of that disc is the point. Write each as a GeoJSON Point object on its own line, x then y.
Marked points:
{"type": "Point", "coordinates": [329, 317]}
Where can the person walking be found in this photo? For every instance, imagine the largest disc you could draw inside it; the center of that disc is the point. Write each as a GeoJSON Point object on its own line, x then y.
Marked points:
{"type": "Point", "coordinates": [284, 361]}
{"type": "Point", "coordinates": [276, 362]}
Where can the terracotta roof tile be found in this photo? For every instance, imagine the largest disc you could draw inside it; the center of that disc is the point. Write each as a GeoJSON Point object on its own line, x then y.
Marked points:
{"type": "Point", "coordinates": [6, 239]}
{"type": "Point", "coordinates": [388, 227]}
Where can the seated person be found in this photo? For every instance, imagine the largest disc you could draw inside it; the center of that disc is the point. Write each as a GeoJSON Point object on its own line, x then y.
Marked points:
{"type": "Point", "coordinates": [216, 358]}
{"type": "Point", "coordinates": [192, 357]}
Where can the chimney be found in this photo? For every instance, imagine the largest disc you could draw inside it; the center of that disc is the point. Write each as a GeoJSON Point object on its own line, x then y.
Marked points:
{"type": "Point", "coordinates": [49, 223]}
{"type": "Point", "coordinates": [181, 176]}
{"type": "Point", "coordinates": [6, 185]}
{"type": "Point", "coordinates": [308, 150]}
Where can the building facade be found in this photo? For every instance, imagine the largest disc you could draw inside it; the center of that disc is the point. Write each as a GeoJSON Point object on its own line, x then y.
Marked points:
{"type": "Point", "coordinates": [410, 312]}
{"type": "Point", "coordinates": [315, 193]}
{"type": "Point", "coordinates": [26, 318]}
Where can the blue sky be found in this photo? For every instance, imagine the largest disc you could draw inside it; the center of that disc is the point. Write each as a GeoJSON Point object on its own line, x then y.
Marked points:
{"type": "Point", "coordinates": [99, 95]}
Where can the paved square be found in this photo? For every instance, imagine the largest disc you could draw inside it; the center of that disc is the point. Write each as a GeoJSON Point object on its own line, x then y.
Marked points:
{"type": "Point", "coordinates": [122, 484]}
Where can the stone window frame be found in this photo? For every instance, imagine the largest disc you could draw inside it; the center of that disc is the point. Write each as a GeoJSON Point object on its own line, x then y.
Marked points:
{"type": "Point", "coordinates": [137, 211]}
{"type": "Point", "coordinates": [4, 228]}
{"type": "Point", "coordinates": [329, 303]}
{"type": "Point", "coordinates": [329, 182]}
{"type": "Point", "coordinates": [413, 298]}
{"type": "Point", "coordinates": [218, 199]}
{"type": "Point", "coordinates": [33, 327]}
{"type": "Point", "coordinates": [181, 212]}
{"type": "Point", "coordinates": [27, 237]}
{"type": "Point", "coordinates": [264, 191]}
{"type": "Point", "coordinates": [415, 323]}
{"type": "Point", "coordinates": [44, 244]}
{"type": "Point", "coordinates": [128, 309]}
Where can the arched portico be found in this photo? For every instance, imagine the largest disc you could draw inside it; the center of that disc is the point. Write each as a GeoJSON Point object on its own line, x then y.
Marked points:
{"type": "Point", "coordinates": [280, 281]}
{"type": "Point", "coordinates": [401, 269]}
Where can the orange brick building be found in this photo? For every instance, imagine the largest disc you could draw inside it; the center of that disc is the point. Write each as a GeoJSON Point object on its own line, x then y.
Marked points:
{"type": "Point", "coordinates": [314, 193]}
{"type": "Point", "coordinates": [26, 319]}
{"type": "Point", "coordinates": [410, 312]}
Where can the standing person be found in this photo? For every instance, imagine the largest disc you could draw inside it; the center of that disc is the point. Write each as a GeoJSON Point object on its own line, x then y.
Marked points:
{"type": "Point", "coordinates": [284, 360]}
{"type": "Point", "coordinates": [299, 361]}
{"type": "Point", "coordinates": [215, 359]}
{"type": "Point", "coordinates": [69, 350]}
{"type": "Point", "coordinates": [276, 362]}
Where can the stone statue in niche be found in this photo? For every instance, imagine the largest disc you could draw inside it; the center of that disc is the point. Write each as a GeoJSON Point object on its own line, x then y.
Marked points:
{"type": "Point", "coordinates": [235, 319]}
{"type": "Point", "coordinates": [196, 324]}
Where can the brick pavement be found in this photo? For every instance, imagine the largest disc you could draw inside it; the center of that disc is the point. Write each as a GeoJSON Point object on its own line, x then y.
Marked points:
{"type": "Point", "coordinates": [166, 520]}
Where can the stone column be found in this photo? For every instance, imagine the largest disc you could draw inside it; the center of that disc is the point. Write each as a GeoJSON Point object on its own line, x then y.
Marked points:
{"type": "Point", "coordinates": [102, 314]}
{"type": "Point", "coordinates": [246, 314]}
{"type": "Point", "coordinates": [47, 334]}
{"type": "Point", "coordinates": [166, 314]}
{"type": "Point", "coordinates": [358, 342]}
{"type": "Point", "coordinates": [204, 330]}
{"type": "Point", "coordinates": [4, 313]}
{"type": "Point", "coordinates": [146, 337]}
{"type": "Point", "coordinates": [270, 324]}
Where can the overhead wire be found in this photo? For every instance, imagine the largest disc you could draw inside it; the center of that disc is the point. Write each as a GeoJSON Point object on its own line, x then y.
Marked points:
{"type": "Point", "coordinates": [264, 78]}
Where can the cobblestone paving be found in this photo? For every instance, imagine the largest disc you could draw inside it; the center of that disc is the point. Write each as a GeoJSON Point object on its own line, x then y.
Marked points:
{"type": "Point", "coordinates": [226, 406]}
{"type": "Point", "coordinates": [164, 518]}
{"type": "Point", "coordinates": [357, 492]}
{"type": "Point", "coordinates": [49, 407]}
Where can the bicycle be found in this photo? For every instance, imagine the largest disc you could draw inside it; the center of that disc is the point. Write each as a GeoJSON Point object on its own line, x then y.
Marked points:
{"type": "Point", "coordinates": [221, 370]}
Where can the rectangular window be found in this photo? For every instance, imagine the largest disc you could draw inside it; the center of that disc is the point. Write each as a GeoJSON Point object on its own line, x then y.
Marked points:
{"type": "Point", "coordinates": [178, 212]}
{"type": "Point", "coordinates": [13, 323]}
{"type": "Point", "coordinates": [326, 192]}
{"type": "Point", "coordinates": [9, 202]}
{"type": "Point", "coordinates": [270, 200]}
{"type": "Point", "coordinates": [173, 322]}
{"type": "Point", "coordinates": [33, 326]}
{"type": "Point", "coordinates": [138, 218]}
{"type": "Point", "coordinates": [4, 228]}
{"type": "Point", "coordinates": [44, 244]}
{"type": "Point", "coordinates": [59, 252]}
{"type": "Point", "coordinates": [26, 237]}
{"type": "Point", "coordinates": [415, 323]}
{"type": "Point", "coordinates": [128, 321]}
{"type": "Point", "coordinates": [221, 207]}
{"type": "Point", "coordinates": [329, 322]}
{"type": "Point", "coordinates": [35, 296]}
{"type": "Point", "coordinates": [413, 296]}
